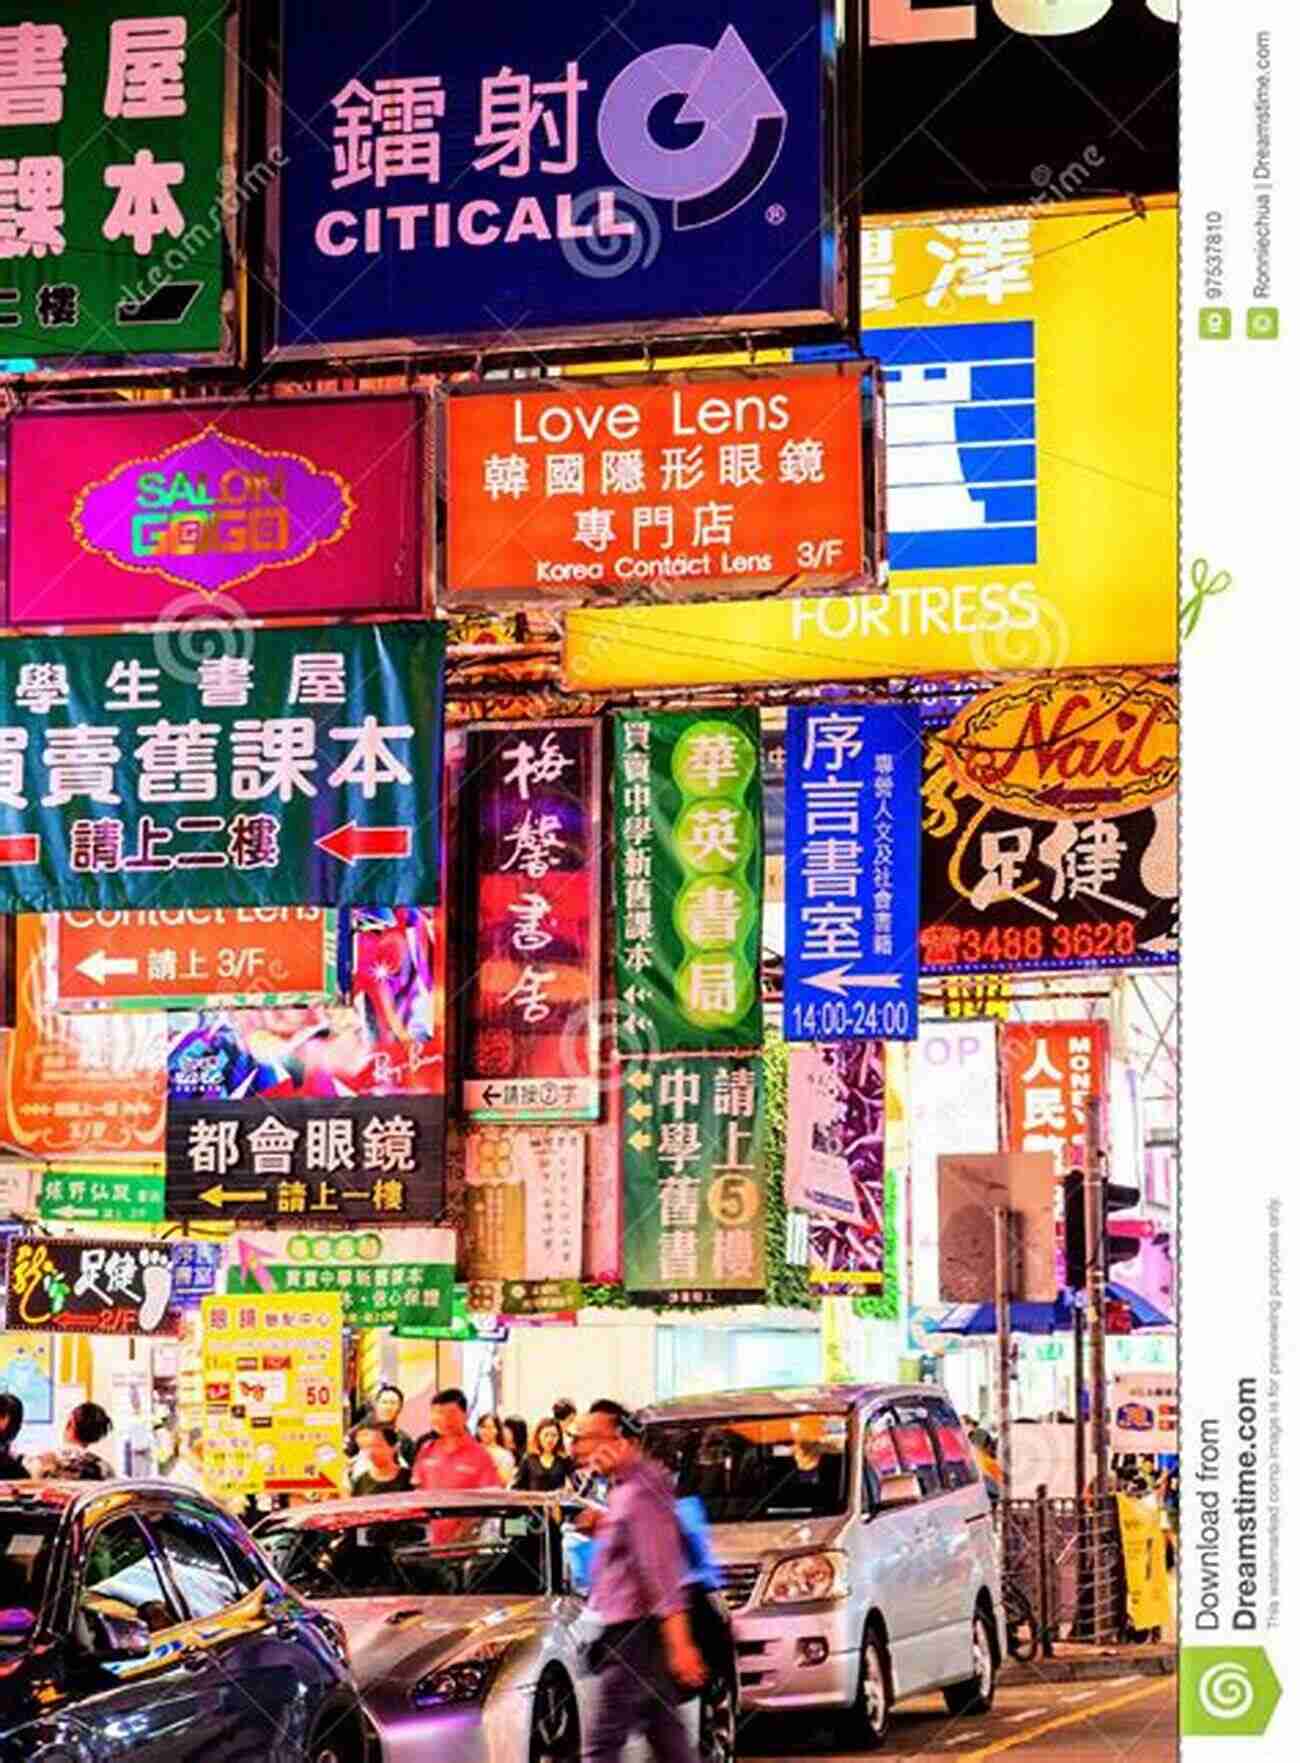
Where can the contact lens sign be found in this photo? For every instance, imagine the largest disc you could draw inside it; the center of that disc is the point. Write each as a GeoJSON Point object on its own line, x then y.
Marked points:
{"type": "Point", "coordinates": [179, 513]}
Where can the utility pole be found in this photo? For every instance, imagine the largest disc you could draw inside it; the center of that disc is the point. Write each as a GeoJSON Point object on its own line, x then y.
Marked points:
{"type": "Point", "coordinates": [1003, 1222]}
{"type": "Point", "coordinates": [1095, 1228]}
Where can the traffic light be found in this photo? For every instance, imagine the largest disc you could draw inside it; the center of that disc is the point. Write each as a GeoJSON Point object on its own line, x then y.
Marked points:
{"type": "Point", "coordinates": [1115, 1197]}
{"type": "Point", "coordinates": [1076, 1233]}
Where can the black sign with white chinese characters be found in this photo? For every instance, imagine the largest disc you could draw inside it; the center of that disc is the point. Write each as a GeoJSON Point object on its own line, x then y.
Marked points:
{"type": "Point", "coordinates": [66, 1285]}
{"type": "Point", "coordinates": [328, 1161]}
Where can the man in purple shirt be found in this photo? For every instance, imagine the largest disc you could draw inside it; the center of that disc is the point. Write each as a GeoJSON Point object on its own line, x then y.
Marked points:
{"type": "Point", "coordinates": [638, 1590]}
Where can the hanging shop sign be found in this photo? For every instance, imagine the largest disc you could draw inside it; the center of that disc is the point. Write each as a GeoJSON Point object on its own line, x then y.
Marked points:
{"type": "Point", "coordinates": [682, 487]}
{"type": "Point", "coordinates": [384, 1277]}
{"type": "Point", "coordinates": [268, 955]}
{"type": "Point", "coordinates": [100, 1196]}
{"type": "Point", "coordinates": [303, 769]}
{"type": "Point", "coordinates": [835, 1163]}
{"type": "Point", "coordinates": [954, 1109]}
{"type": "Point", "coordinates": [1065, 70]}
{"type": "Point", "coordinates": [79, 1088]}
{"type": "Point", "coordinates": [286, 506]}
{"type": "Point", "coordinates": [1051, 827]}
{"type": "Point", "coordinates": [353, 1160]}
{"type": "Point", "coordinates": [115, 233]}
{"type": "Point", "coordinates": [1143, 1412]}
{"type": "Point", "coordinates": [523, 1208]}
{"type": "Point", "coordinates": [1050, 1070]}
{"type": "Point", "coordinates": [688, 854]}
{"type": "Point", "coordinates": [71, 1285]}
{"type": "Point", "coordinates": [971, 1189]}
{"type": "Point", "coordinates": [532, 798]}
{"type": "Point", "coordinates": [694, 1184]}
{"type": "Point", "coordinates": [1027, 528]}
{"type": "Point", "coordinates": [510, 180]}
{"type": "Point", "coordinates": [196, 1271]}
{"type": "Point", "coordinates": [852, 872]}
{"type": "Point", "coordinates": [273, 1395]}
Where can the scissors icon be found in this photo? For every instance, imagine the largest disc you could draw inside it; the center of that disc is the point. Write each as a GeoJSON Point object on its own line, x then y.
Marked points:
{"type": "Point", "coordinates": [1204, 586]}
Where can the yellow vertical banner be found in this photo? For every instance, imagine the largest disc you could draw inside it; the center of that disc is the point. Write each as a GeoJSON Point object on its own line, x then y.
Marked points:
{"type": "Point", "coordinates": [1145, 1568]}
{"type": "Point", "coordinates": [273, 1394]}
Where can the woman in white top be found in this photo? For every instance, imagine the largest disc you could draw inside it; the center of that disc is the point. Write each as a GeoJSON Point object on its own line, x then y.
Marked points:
{"type": "Point", "coordinates": [489, 1434]}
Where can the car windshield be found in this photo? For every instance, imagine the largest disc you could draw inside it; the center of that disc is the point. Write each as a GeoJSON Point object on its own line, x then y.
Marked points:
{"type": "Point", "coordinates": [26, 1540]}
{"type": "Point", "coordinates": [432, 1553]}
{"type": "Point", "coordinates": [757, 1466]}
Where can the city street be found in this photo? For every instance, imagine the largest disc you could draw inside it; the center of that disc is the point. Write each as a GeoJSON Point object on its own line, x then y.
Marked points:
{"type": "Point", "coordinates": [1088, 1723]}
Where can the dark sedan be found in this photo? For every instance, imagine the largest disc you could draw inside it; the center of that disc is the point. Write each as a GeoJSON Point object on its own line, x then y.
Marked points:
{"type": "Point", "coordinates": [139, 1621]}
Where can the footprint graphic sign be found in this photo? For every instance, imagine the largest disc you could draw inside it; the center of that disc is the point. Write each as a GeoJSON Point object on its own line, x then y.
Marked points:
{"type": "Point", "coordinates": [59, 1286]}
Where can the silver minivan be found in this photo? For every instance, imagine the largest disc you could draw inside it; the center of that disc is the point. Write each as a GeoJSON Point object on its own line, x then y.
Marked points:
{"type": "Point", "coordinates": [856, 1542]}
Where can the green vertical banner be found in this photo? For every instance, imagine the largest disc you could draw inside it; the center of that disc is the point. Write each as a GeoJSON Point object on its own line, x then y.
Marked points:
{"type": "Point", "coordinates": [112, 206]}
{"type": "Point", "coordinates": [694, 1181]}
{"type": "Point", "coordinates": [688, 865]}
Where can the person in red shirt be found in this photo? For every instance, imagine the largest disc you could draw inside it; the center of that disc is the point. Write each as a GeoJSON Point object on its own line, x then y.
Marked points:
{"type": "Point", "coordinates": [454, 1459]}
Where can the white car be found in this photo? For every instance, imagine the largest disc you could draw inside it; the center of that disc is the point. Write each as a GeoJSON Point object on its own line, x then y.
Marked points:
{"type": "Point", "coordinates": [465, 1632]}
{"type": "Point", "coordinates": [856, 1543]}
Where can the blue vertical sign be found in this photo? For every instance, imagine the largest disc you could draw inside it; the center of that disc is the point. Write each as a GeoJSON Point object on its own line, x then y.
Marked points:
{"type": "Point", "coordinates": [852, 872]}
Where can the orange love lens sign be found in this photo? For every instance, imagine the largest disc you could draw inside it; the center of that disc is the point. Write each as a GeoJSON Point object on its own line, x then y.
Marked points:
{"type": "Point", "coordinates": [677, 487]}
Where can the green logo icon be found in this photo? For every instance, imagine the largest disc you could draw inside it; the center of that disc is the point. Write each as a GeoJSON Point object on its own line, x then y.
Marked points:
{"type": "Point", "coordinates": [1262, 321]}
{"type": "Point", "coordinates": [1226, 1690]}
{"type": "Point", "coordinates": [1215, 321]}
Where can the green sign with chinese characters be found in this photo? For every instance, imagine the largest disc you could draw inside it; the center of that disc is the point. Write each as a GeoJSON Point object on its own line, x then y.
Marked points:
{"type": "Point", "coordinates": [688, 865]}
{"type": "Point", "coordinates": [112, 207]}
{"type": "Point", "coordinates": [383, 1277]}
{"type": "Point", "coordinates": [101, 1197]}
{"type": "Point", "coordinates": [694, 1181]}
{"type": "Point", "coordinates": [285, 768]}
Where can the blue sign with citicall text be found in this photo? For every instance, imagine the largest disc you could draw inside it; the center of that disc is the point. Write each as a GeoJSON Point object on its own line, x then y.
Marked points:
{"type": "Point", "coordinates": [515, 170]}
{"type": "Point", "coordinates": [852, 872]}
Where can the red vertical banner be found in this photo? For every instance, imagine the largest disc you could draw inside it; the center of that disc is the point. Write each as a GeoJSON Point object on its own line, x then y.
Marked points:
{"type": "Point", "coordinates": [534, 901]}
{"type": "Point", "coordinates": [1049, 1071]}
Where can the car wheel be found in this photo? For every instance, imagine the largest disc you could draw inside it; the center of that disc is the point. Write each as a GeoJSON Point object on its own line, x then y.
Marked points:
{"type": "Point", "coordinates": [870, 1717]}
{"type": "Point", "coordinates": [718, 1722]}
{"type": "Point", "coordinates": [554, 1737]}
{"type": "Point", "coordinates": [975, 1694]}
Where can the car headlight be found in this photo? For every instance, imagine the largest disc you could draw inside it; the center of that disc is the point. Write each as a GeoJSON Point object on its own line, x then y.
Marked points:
{"type": "Point", "coordinates": [808, 1579]}
{"type": "Point", "coordinates": [466, 1680]}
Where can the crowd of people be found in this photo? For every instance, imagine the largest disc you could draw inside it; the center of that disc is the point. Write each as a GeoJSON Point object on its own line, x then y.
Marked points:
{"type": "Point", "coordinates": [88, 1426]}
{"type": "Point", "coordinates": [495, 1452]}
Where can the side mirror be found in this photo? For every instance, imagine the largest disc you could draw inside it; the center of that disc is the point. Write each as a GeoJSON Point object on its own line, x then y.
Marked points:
{"type": "Point", "coordinates": [896, 1491]}
{"type": "Point", "coordinates": [114, 1639]}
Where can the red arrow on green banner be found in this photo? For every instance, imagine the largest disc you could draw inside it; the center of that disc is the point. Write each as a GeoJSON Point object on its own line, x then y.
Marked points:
{"type": "Point", "coordinates": [20, 849]}
{"type": "Point", "coordinates": [351, 842]}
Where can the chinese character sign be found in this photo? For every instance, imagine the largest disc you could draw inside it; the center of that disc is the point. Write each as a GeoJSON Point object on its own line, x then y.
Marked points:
{"type": "Point", "coordinates": [719, 484]}
{"type": "Point", "coordinates": [1049, 1071]}
{"type": "Point", "coordinates": [272, 1410]}
{"type": "Point", "coordinates": [384, 1278]}
{"type": "Point", "coordinates": [286, 506]}
{"type": "Point", "coordinates": [112, 212]}
{"type": "Point", "coordinates": [64, 1285]}
{"type": "Point", "coordinates": [524, 1203]}
{"type": "Point", "coordinates": [293, 767]}
{"type": "Point", "coordinates": [353, 1160]}
{"type": "Point", "coordinates": [1050, 827]}
{"type": "Point", "coordinates": [687, 858]}
{"type": "Point", "coordinates": [852, 872]}
{"type": "Point", "coordinates": [102, 1194]}
{"type": "Point", "coordinates": [468, 176]}
{"type": "Point", "coordinates": [694, 1181]}
{"type": "Point", "coordinates": [533, 897]}
{"type": "Point", "coordinates": [80, 1088]}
